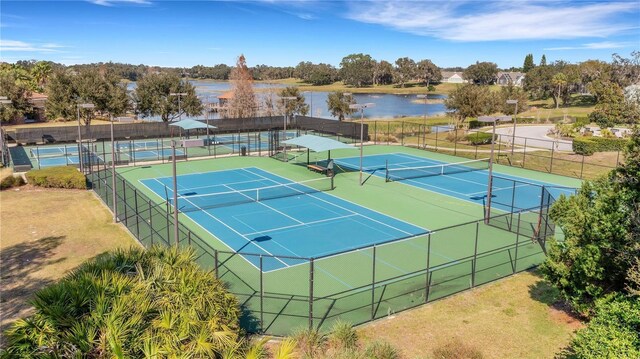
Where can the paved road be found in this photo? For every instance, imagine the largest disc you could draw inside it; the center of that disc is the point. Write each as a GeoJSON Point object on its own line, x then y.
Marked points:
{"type": "Point", "coordinates": [536, 136]}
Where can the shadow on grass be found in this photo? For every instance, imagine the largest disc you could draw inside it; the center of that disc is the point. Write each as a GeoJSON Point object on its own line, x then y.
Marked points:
{"type": "Point", "coordinates": [542, 291]}
{"type": "Point", "coordinates": [19, 263]}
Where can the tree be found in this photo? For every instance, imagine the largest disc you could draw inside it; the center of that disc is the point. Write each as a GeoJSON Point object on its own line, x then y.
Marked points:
{"type": "Point", "coordinates": [61, 96]}
{"type": "Point", "coordinates": [338, 104]}
{"type": "Point", "coordinates": [528, 63]}
{"type": "Point", "coordinates": [322, 74]}
{"type": "Point", "coordinates": [613, 332]}
{"type": "Point", "coordinates": [428, 72]}
{"type": "Point", "coordinates": [297, 106]}
{"type": "Point", "coordinates": [130, 304]}
{"type": "Point", "coordinates": [383, 73]}
{"type": "Point", "coordinates": [512, 92]}
{"type": "Point", "coordinates": [543, 60]}
{"type": "Point", "coordinates": [559, 82]}
{"type": "Point", "coordinates": [243, 100]}
{"type": "Point", "coordinates": [601, 224]}
{"type": "Point", "coordinates": [626, 71]}
{"type": "Point", "coordinates": [481, 73]}
{"type": "Point", "coordinates": [153, 97]}
{"type": "Point", "coordinates": [40, 73]}
{"type": "Point", "coordinates": [470, 101]}
{"type": "Point", "coordinates": [17, 92]}
{"type": "Point", "coordinates": [357, 70]}
{"type": "Point", "coordinates": [405, 70]}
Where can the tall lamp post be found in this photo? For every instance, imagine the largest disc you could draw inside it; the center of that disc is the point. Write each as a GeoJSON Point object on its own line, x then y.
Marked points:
{"type": "Point", "coordinates": [425, 97]}
{"type": "Point", "coordinates": [85, 106]}
{"type": "Point", "coordinates": [113, 173]}
{"type": "Point", "coordinates": [513, 138]}
{"type": "Point", "coordinates": [493, 120]}
{"type": "Point", "coordinates": [179, 94]}
{"type": "Point", "coordinates": [361, 107]}
{"type": "Point", "coordinates": [286, 118]}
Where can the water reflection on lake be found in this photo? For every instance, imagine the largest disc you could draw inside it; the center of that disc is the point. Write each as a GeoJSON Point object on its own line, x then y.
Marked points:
{"type": "Point", "coordinates": [387, 106]}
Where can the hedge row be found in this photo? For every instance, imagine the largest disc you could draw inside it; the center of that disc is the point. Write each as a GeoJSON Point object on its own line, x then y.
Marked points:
{"type": "Point", "coordinates": [57, 177]}
{"type": "Point", "coordinates": [479, 138]}
{"type": "Point", "coordinates": [477, 124]}
{"type": "Point", "coordinates": [10, 182]}
{"type": "Point", "coordinates": [589, 145]}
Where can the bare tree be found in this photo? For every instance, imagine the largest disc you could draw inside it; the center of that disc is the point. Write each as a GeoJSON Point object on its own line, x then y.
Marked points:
{"type": "Point", "coordinates": [243, 101]}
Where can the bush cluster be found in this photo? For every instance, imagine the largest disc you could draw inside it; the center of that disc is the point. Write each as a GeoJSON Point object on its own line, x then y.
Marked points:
{"type": "Point", "coordinates": [57, 177]}
{"type": "Point", "coordinates": [10, 182]}
{"type": "Point", "coordinates": [479, 138]}
{"type": "Point", "coordinates": [589, 145]}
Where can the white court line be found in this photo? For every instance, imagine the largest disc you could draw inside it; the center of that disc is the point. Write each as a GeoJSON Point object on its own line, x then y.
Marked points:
{"type": "Point", "coordinates": [301, 224]}
{"type": "Point", "coordinates": [220, 239]}
{"type": "Point", "coordinates": [503, 188]}
{"type": "Point", "coordinates": [348, 210]}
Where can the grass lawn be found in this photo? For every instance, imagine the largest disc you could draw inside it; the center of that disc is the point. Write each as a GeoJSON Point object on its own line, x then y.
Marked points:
{"type": "Point", "coordinates": [516, 317]}
{"type": "Point", "coordinates": [45, 234]}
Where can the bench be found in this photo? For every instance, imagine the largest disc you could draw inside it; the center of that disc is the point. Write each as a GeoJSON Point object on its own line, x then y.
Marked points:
{"type": "Point", "coordinates": [321, 169]}
{"type": "Point", "coordinates": [317, 168]}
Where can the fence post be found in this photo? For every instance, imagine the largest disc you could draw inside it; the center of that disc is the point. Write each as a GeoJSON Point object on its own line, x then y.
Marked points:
{"type": "Point", "coordinates": [261, 297]}
{"type": "Point", "coordinates": [437, 130]}
{"type": "Point", "coordinates": [402, 134]}
{"type": "Point", "coordinates": [524, 152]}
{"type": "Point", "coordinates": [189, 237]}
{"type": "Point", "coordinates": [427, 281]}
{"type": "Point", "coordinates": [375, 132]}
{"type": "Point", "coordinates": [513, 201]}
{"type": "Point", "coordinates": [582, 167]}
{"type": "Point", "coordinates": [551, 163]}
{"type": "Point", "coordinates": [475, 257]}
{"type": "Point", "coordinates": [311, 294]}
{"type": "Point", "coordinates": [135, 193]}
{"type": "Point", "coordinates": [373, 285]}
{"type": "Point", "coordinates": [151, 222]}
{"type": "Point", "coordinates": [455, 141]}
{"type": "Point", "coordinates": [515, 261]}
{"type": "Point", "coordinates": [124, 200]}
{"type": "Point", "coordinates": [216, 263]}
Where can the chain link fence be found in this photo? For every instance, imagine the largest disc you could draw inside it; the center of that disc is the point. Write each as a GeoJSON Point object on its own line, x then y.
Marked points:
{"type": "Point", "coordinates": [358, 285]}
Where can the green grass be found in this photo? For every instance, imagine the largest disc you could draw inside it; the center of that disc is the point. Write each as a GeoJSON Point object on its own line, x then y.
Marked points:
{"type": "Point", "coordinates": [517, 317]}
{"type": "Point", "coordinates": [45, 234]}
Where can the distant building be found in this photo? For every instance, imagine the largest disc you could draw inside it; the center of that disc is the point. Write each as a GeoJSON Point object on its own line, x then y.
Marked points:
{"type": "Point", "coordinates": [223, 99]}
{"type": "Point", "coordinates": [506, 78]}
{"type": "Point", "coordinates": [38, 101]}
{"type": "Point", "coordinates": [621, 131]}
{"type": "Point", "coordinates": [452, 77]}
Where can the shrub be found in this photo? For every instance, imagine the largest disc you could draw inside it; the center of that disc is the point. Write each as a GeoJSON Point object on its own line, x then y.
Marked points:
{"type": "Point", "coordinates": [57, 177]}
{"type": "Point", "coordinates": [590, 145]}
{"type": "Point", "coordinates": [130, 304]}
{"type": "Point", "coordinates": [612, 333]}
{"type": "Point", "coordinates": [479, 138]}
{"type": "Point", "coordinates": [10, 182]}
{"type": "Point", "coordinates": [381, 350]}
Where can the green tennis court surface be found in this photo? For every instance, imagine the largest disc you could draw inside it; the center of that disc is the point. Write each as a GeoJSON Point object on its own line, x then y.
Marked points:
{"type": "Point", "coordinates": [317, 276]}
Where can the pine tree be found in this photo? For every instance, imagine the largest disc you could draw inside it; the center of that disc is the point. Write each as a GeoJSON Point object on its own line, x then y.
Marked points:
{"type": "Point", "coordinates": [243, 101]}
{"type": "Point", "coordinates": [528, 63]}
{"type": "Point", "coordinates": [543, 60]}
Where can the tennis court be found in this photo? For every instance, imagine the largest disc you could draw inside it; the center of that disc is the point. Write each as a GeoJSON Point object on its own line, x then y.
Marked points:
{"type": "Point", "coordinates": [254, 211]}
{"type": "Point", "coordinates": [467, 180]}
{"type": "Point", "coordinates": [64, 155]}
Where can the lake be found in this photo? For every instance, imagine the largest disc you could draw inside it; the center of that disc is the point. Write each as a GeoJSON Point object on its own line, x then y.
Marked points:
{"type": "Point", "coordinates": [387, 106]}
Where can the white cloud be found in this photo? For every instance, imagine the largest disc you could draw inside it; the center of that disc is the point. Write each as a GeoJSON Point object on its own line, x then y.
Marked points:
{"type": "Point", "coordinates": [593, 46]}
{"type": "Point", "coordinates": [113, 2]}
{"type": "Point", "coordinates": [496, 20]}
{"type": "Point", "coordinates": [21, 46]}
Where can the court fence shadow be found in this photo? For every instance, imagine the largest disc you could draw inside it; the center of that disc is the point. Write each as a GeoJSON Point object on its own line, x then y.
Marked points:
{"type": "Point", "coordinates": [358, 285]}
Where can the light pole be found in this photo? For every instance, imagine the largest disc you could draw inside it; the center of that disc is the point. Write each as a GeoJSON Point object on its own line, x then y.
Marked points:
{"type": "Point", "coordinates": [310, 101]}
{"type": "Point", "coordinates": [348, 96]}
{"type": "Point", "coordinates": [425, 97]}
{"type": "Point", "coordinates": [361, 107]}
{"type": "Point", "coordinates": [113, 173]}
{"type": "Point", "coordinates": [493, 120]}
{"type": "Point", "coordinates": [175, 193]}
{"type": "Point", "coordinates": [85, 106]}
{"type": "Point", "coordinates": [286, 117]}
{"type": "Point", "coordinates": [179, 94]}
{"type": "Point", "coordinates": [513, 138]}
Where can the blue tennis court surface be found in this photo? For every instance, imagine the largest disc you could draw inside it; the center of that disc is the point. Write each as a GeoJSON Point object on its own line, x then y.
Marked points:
{"type": "Point", "coordinates": [309, 224]}
{"type": "Point", "coordinates": [467, 181]}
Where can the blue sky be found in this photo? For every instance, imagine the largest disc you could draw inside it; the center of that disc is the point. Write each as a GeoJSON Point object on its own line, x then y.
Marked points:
{"type": "Point", "coordinates": [283, 33]}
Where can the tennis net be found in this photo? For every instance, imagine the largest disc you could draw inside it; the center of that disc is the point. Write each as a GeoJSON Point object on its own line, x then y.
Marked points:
{"type": "Point", "coordinates": [58, 151]}
{"type": "Point", "coordinates": [399, 174]}
{"type": "Point", "coordinates": [196, 202]}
